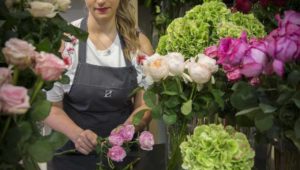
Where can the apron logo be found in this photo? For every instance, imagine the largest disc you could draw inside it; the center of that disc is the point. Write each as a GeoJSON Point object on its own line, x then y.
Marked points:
{"type": "Point", "coordinates": [108, 93]}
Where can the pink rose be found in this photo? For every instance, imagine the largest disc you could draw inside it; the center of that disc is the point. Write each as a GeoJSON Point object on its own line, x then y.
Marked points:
{"type": "Point", "coordinates": [116, 140]}
{"type": "Point", "coordinates": [211, 51]}
{"type": "Point", "coordinates": [49, 66]}
{"type": "Point", "coordinates": [14, 99]}
{"type": "Point", "coordinates": [116, 153]}
{"type": "Point", "coordinates": [127, 132]}
{"type": "Point", "coordinates": [5, 75]}
{"type": "Point", "coordinates": [18, 52]}
{"type": "Point", "coordinates": [146, 141]}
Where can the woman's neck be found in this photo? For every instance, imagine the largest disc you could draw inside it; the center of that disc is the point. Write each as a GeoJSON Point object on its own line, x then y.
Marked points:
{"type": "Point", "coordinates": [107, 27]}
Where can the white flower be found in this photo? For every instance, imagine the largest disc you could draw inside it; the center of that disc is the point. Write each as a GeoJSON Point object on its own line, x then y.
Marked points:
{"type": "Point", "coordinates": [42, 9]}
{"type": "Point", "coordinates": [208, 62]}
{"type": "Point", "coordinates": [176, 63]}
{"type": "Point", "coordinates": [156, 67]}
{"type": "Point", "coordinates": [199, 73]}
{"type": "Point", "coordinates": [63, 5]}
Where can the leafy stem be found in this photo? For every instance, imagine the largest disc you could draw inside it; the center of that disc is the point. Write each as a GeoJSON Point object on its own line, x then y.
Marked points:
{"type": "Point", "coordinates": [37, 87]}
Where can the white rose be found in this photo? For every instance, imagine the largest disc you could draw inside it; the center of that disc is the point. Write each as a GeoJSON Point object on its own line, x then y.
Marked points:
{"type": "Point", "coordinates": [42, 9]}
{"type": "Point", "coordinates": [63, 5]}
{"type": "Point", "coordinates": [208, 62]}
{"type": "Point", "coordinates": [156, 67]}
{"type": "Point", "coordinates": [176, 63]}
{"type": "Point", "coordinates": [199, 73]}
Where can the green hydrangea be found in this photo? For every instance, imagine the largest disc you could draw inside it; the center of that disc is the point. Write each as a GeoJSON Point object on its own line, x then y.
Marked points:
{"type": "Point", "coordinates": [213, 147]}
{"type": "Point", "coordinates": [204, 25]}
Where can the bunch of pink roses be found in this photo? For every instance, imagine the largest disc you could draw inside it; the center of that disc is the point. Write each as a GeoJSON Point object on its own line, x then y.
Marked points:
{"type": "Point", "coordinates": [20, 54]}
{"type": "Point", "coordinates": [120, 139]}
{"type": "Point", "coordinates": [240, 57]}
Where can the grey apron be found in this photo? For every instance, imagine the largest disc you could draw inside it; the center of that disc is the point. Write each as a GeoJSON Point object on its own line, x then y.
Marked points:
{"type": "Point", "coordinates": [98, 100]}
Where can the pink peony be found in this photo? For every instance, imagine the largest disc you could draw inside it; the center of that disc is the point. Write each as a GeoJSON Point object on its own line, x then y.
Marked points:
{"type": "Point", "coordinates": [18, 52]}
{"type": "Point", "coordinates": [127, 132]}
{"type": "Point", "coordinates": [5, 75]}
{"type": "Point", "coordinates": [49, 66]}
{"type": "Point", "coordinates": [234, 75]}
{"type": "Point", "coordinates": [146, 141]}
{"type": "Point", "coordinates": [211, 51]}
{"type": "Point", "coordinates": [14, 99]}
{"type": "Point", "coordinates": [116, 153]}
{"type": "Point", "coordinates": [116, 140]}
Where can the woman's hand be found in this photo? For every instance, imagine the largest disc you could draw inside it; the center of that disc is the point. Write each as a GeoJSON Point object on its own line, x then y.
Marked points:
{"type": "Point", "coordinates": [86, 141]}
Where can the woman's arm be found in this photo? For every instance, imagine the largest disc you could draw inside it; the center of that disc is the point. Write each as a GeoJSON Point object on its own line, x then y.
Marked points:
{"type": "Point", "coordinates": [84, 140]}
{"type": "Point", "coordinates": [139, 103]}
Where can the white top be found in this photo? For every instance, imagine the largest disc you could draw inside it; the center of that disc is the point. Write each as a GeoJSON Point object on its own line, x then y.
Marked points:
{"type": "Point", "coordinates": [112, 57]}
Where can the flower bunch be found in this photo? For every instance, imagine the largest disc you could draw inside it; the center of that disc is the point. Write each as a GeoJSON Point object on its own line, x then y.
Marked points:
{"type": "Point", "coordinates": [216, 147]}
{"type": "Point", "coordinates": [271, 100]}
{"type": "Point", "coordinates": [260, 56]}
{"type": "Point", "coordinates": [30, 63]}
{"type": "Point", "coordinates": [118, 143]}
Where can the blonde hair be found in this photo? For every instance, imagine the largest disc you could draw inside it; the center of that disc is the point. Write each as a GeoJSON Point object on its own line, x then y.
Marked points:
{"type": "Point", "coordinates": [126, 26]}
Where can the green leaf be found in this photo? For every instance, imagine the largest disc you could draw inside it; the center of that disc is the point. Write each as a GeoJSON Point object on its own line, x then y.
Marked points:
{"type": "Point", "coordinates": [44, 45]}
{"type": "Point", "coordinates": [135, 91]}
{"type": "Point", "coordinates": [138, 116]}
{"type": "Point", "coordinates": [40, 110]}
{"type": "Point", "coordinates": [150, 98]}
{"type": "Point", "coordinates": [296, 99]}
{"type": "Point", "coordinates": [294, 77]}
{"type": "Point", "coordinates": [172, 102]}
{"type": "Point", "coordinates": [156, 111]}
{"type": "Point", "coordinates": [218, 97]}
{"type": "Point", "coordinates": [170, 119]}
{"type": "Point", "coordinates": [297, 128]}
{"type": "Point", "coordinates": [284, 97]}
{"type": "Point", "coordinates": [56, 139]}
{"type": "Point", "coordinates": [263, 122]}
{"type": "Point", "coordinates": [41, 151]}
{"type": "Point", "coordinates": [244, 97]}
{"type": "Point", "coordinates": [267, 108]}
{"type": "Point", "coordinates": [291, 135]}
{"type": "Point", "coordinates": [247, 112]}
{"type": "Point", "coordinates": [64, 79]}
{"type": "Point", "coordinates": [186, 107]}
{"type": "Point", "coordinates": [25, 130]}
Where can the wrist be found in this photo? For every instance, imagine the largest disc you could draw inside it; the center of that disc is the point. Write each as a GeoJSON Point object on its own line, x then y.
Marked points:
{"type": "Point", "coordinates": [75, 134]}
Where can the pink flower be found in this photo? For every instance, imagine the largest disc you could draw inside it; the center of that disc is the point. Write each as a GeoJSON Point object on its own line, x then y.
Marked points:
{"type": "Point", "coordinates": [292, 17]}
{"type": "Point", "coordinates": [255, 81]}
{"type": "Point", "coordinates": [243, 5]}
{"type": "Point", "coordinates": [234, 75]}
{"type": "Point", "coordinates": [49, 66]}
{"type": "Point", "coordinates": [5, 75]}
{"type": "Point", "coordinates": [18, 52]}
{"type": "Point", "coordinates": [127, 132]}
{"type": "Point", "coordinates": [146, 141]}
{"type": "Point", "coordinates": [115, 140]}
{"type": "Point", "coordinates": [140, 59]}
{"type": "Point", "coordinates": [116, 153]}
{"type": "Point", "coordinates": [231, 51]}
{"type": "Point", "coordinates": [278, 67]}
{"type": "Point", "coordinates": [211, 51]}
{"type": "Point", "coordinates": [14, 99]}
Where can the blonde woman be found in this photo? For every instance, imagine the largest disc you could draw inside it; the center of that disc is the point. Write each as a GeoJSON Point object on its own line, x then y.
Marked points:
{"type": "Point", "coordinates": [102, 76]}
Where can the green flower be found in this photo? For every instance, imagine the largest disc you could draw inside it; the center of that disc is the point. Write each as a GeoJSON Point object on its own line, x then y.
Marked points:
{"type": "Point", "coordinates": [213, 147]}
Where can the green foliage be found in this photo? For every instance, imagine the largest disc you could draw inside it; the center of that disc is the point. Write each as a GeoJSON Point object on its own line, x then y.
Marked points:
{"type": "Point", "coordinates": [215, 147]}
{"type": "Point", "coordinates": [203, 26]}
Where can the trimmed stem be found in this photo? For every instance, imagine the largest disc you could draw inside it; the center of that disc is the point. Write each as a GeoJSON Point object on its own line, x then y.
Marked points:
{"type": "Point", "coordinates": [65, 152]}
{"type": "Point", "coordinates": [193, 90]}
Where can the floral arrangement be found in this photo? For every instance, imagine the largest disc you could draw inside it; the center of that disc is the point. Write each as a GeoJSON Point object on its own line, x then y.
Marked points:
{"type": "Point", "coordinates": [270, 97]}
{"type": "Point", "coordinates": [215, 147]}
{"type": "Point", "coordinates": [203, 26]}
{"type": "Point", "coordinates": [118, 143]}
{"type": "Point", "coordinates": [30, 37]}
